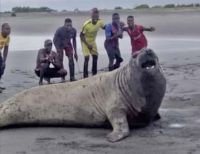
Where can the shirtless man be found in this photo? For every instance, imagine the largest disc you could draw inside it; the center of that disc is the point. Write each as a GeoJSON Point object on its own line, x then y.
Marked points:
{"type": "Point", "coordinates": [45, 58]}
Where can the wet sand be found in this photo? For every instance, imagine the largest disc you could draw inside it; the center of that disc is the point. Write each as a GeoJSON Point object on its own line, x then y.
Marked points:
{"type": "Point", "coordinates": [176, 133]}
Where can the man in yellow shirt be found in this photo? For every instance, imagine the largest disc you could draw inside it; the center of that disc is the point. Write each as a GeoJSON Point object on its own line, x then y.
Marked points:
{"type": "Point", "coordinates": [4, 44]}
{"type": "Point", "coordinates": [88, 41]}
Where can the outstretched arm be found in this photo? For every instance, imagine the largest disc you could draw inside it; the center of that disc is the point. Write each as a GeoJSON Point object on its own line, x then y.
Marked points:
{"type": "Point", "coordinates": [150, 29]}
{"type": "Point", "coordinates": [125, 29]}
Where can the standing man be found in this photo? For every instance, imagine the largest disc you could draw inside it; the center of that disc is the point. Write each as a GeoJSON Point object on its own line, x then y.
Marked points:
{"type": "Point", "coordinates": [138, 39]}
{"type": "Point", "coordinates": [113, 32]}
{"type": "Point", "coordinates": [62, 41]}
{"type": "Point", "coordinates": [4, 45]}
{"type": "Point", "coordinates": [88, 41]}
{"type": "Point", "coordinates": [46, 57]}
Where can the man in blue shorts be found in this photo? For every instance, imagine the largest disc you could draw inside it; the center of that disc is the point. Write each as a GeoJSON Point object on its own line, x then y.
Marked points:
{"type": "Point", "coordinates": [113, 32]}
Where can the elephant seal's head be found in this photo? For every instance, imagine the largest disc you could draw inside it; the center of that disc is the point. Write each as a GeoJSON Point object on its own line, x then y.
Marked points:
{"type": "Point", "coordinates": [146, 61]}
{"type": "Point", "coordinates": [149, 82]}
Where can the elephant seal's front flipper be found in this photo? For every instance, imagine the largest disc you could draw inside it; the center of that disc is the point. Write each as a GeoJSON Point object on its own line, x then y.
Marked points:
{"type": "Point", "coordinates": [118, 120]}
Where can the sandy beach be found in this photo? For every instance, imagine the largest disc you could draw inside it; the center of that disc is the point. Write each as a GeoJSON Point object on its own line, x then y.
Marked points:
{"type": "Point", "coordinates": [176, 42]}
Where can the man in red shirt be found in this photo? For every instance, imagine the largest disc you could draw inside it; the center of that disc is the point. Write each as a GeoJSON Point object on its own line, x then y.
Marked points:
{"type": "Point", "coordinates": [138, 39]}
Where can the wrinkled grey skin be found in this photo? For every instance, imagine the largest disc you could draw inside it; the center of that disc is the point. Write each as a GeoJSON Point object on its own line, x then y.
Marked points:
{"type": "Point", "coordinates": [128, 96]}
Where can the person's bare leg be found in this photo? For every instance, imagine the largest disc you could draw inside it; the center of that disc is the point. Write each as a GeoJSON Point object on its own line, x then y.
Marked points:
{"type": "Point", "coordinates": [71, 68]}
{"type": "Point", "coordinates": [42, 71]}
{"type": "Point", "coordinates": [61, 73]}
{"type": "Point", "coordinates": [85, 68]}
{"type": "Point", "coordinates": [94, 64]}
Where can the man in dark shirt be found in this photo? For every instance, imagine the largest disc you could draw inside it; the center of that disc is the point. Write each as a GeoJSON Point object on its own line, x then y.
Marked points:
{"type": "Point", "coordinates": [45, 58]}
{"type": "Point", "coordinates": [62, 41]}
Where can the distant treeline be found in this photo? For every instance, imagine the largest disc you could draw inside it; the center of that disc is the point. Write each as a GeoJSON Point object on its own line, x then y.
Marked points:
{"type": "Point", "coordinates": [146, 6]}
{"type": "Point", "coordinates": [142, 6]}
{"type": "Point", "coordinates": [30, 9]}
{"type": "Point", "coordinates": [168, 6]}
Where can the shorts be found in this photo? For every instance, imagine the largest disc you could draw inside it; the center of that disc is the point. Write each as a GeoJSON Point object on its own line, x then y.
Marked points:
{"type": "Point", "coordinates": [87, 52]}
{"type": "Point", "coordinates": [68, 51]}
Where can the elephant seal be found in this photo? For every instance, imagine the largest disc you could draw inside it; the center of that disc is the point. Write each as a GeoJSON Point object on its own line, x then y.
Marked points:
{"type": "Point", "coordinates": [127, 96]}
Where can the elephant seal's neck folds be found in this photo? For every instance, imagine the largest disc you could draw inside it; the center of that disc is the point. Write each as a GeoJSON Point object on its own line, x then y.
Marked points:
{"type": "Point", "coordinates": [125, 83]}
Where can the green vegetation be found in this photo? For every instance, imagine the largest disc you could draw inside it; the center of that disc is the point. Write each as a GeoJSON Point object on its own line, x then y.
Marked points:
{"type": "Point", "coordinates": [157, 6]}
{"type": "Point", "coordinates": [143, 6]}
{"type": "Point", "coordinates": [26, 9]}
{"type": "Point", "coordinates": [29, 9]}
{"type": "Point", "coordinates": [118, 8]}
{"type": "Point", "coordinates": [170, 6]}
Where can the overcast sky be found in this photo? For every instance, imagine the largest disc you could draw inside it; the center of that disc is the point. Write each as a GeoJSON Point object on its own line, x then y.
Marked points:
{"type": "Point", "coordinates": [7, 5]}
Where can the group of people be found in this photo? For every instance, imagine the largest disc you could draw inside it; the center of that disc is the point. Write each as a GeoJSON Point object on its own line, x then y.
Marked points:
{"type": "Point", "coordinates": [50, 64]}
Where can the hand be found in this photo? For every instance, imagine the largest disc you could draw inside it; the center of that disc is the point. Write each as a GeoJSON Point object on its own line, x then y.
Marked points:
{"type": "Point", "coordinates": [122, 24]}
{"type": "Point", "coordinates": [76, 56]}
{"type": "Point", "coordinates": [50, 58]}
{"type": "Point", "coordinates": [46, 59]}
{"type": "Point", "coordinates": [90, 47]}
{"type": "Point", "coordinates": [152, 29]}
{"type": "Point", "coordinates": [119, 33]}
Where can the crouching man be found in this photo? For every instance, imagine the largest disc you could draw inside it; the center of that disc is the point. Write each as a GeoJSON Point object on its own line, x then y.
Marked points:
{"type": "Point", "coordinates": [48, 64]}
